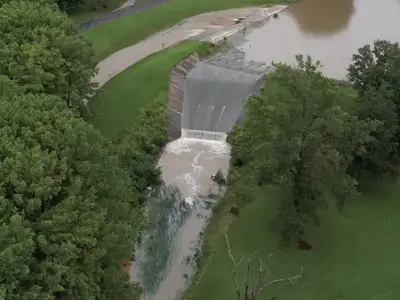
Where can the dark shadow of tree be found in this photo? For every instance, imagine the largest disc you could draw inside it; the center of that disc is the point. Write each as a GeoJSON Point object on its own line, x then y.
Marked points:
{"type": "Point", "coordinates": [322, 17]}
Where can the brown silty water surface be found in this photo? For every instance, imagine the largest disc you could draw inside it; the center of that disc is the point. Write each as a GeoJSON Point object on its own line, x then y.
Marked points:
{"type": "Point", "coordinates": [328, 30]}
{"type": "Point", "coordinates": [202, 159]}
{"type": "Point", "coordinates": [164, 263]}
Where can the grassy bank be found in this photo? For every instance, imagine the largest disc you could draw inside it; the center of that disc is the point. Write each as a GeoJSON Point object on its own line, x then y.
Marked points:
{"type": "Point", "coordinates": [355, 255]}
{"type": "Point", "coordinates": [120, 100]}
{"type": "Point", "coordinates": [110, 37]}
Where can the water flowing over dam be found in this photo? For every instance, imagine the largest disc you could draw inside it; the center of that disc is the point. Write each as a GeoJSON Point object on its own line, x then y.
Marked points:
{"type": "Point", "coordinates": [204, 135]}
{"type": "Point", "coordinates": [213, 97]}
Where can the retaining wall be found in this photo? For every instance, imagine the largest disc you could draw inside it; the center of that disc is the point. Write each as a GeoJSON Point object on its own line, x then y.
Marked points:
{"type": "Point", "coordinates": [175, 96]}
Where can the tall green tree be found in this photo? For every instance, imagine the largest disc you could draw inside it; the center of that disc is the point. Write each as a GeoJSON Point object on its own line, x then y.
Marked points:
{"type": "Point", "coordinates": [69, 213]}
{"type": "Point", "coordinates": [41, 1]}
{"type": "Point", "coordinates": [375, 74]}
{"type": "Point", "coordinates": [140, 145]}
{"type": "Point", "coordinates": [381, 155]}
{"type": "Point", "coordinates": [41, 49]}
{"type": "Point", "coordinates": [296, 135]}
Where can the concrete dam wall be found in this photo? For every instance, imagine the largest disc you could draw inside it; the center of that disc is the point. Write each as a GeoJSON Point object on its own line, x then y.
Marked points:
{"type": "Point", "coordinates": [176, 93]}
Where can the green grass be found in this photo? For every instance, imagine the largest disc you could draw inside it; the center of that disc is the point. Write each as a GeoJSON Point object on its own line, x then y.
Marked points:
{"type": "Point", "coordinates": [355, 257]}
{"type": "Point", "coordinates": [109, 37]}
{"type": "Point", "coordinates": [120, 100]}
{"type": "Point", "coordinates": [85, 14]}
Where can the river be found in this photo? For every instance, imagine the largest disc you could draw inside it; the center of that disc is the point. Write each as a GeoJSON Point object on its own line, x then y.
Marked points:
{"type": "Point", "coordinates": [328, 30]}
{"type": "Point", "coordinates": [178, 212]}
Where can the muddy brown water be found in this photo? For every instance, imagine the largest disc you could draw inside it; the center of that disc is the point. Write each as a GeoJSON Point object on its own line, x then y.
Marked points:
{"type": "Point", "coordinates": [178, 212]}
{"type": "Point", "coordinates": [328, 30]}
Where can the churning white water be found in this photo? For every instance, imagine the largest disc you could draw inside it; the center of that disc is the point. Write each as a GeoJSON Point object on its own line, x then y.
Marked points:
{"type": "Point", "coordinates": [178, 213]}
{"type": "Point", "coordinates": [204, 135]}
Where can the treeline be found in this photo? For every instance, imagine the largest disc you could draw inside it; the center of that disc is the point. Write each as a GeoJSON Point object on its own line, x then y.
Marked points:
{"type": "Point", "coordinates": [41, 50]}
{"type": "Point", "coordinates": [318, 139]}
{"type": "Point", "coordinates": [73, 5]}
{"type": "Point", "coordinates": [86, 5]}
{"type": "Point", "coordinates": [71, 201]}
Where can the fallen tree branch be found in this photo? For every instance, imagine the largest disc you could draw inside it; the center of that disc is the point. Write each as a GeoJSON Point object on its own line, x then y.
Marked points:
{"type": "Point", "coordinates": [263, 280]}
{"type": "Point", "coordinates": [235, 267]}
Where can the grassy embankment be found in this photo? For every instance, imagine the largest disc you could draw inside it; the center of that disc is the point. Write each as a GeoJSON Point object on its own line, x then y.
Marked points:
{"type": "Point", "coordinates": [109, 37]}
{"type": "Point", "coordinates": [144, 83]}
{"type": "Point", "coordinates": [121, 99]}
{"type": "Point", "coordinates": [355, 256]}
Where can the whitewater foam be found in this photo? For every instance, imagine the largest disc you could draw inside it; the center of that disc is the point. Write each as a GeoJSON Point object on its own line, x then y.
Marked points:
{"type": "Point", "coordinates": [185, 145]}
{"type": "Point", "coordinates": [203, 135]}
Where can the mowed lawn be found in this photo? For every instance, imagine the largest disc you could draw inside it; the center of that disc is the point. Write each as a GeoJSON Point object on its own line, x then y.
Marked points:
{"type": "Point", "coordinates": [109, 37]}
{"type": "Point", "coordinates": [356, 254]}
{"type": "Point", "coordinates": [119, 101]}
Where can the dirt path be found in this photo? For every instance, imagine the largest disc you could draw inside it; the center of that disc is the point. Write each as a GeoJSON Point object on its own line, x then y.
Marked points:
{"type": "Point", "coordinates": [210, 26]}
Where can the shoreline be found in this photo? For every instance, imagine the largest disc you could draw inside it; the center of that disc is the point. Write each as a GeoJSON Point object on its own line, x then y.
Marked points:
{"type": "Point", "coordinates": [203, 24]}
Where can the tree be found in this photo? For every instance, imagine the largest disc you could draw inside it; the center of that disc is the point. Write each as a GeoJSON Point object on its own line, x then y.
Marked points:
{"type": "Point", "coordinates": [41, 49]}
{"type": "Point", "coordinates": [381, 155]}
{"type": "Point", "coordinates": [375, 74]}
{"type": "Point", "coordinates": [140, 145]}
{"type": "Point", "coordinates": [39, 1]}
{"type": "Point", "coordinates": [69, 213]}
{"type": "Point", "coordinates": [377, 65]}
{"type": "Point", "coordinates": [296, 135]}
{"type": "Point", "coordinates": [73, 5]}
{"type": "Point", "coordinates": [64, 5]}
{"type": "Point", "coordinates": [247, 292]}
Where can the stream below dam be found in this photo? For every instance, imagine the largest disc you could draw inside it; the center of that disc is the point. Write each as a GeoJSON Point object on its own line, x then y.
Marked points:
{"type": "Point", "coordinates": [178, 212]}
{"type": "Point", "coordinates": [328, 30]}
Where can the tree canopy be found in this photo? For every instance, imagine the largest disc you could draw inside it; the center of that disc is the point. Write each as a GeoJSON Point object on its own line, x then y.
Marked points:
{"type": "Point", "coordinates": [375, 74]}
{"type": "Point", "coordinates": [41, 50]}
{"type": "Point", "coordinates": [297, 135]}
{"type": "Point", "coordinates": [69, 213]}
{"type": "Point", "coordinates": [140, 144]}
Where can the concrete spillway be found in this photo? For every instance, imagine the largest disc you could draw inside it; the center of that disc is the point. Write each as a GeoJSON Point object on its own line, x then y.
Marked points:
{"type": "Point", "coordinates": [214, 96]}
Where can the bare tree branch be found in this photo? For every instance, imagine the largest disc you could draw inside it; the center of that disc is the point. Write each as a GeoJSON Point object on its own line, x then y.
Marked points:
{"type": "Point", "coordinates": [247, 280]}
{"type": "Point", "coordinates": [235, 267]}
{"type": "Point", "coordinates": [264, 274]}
